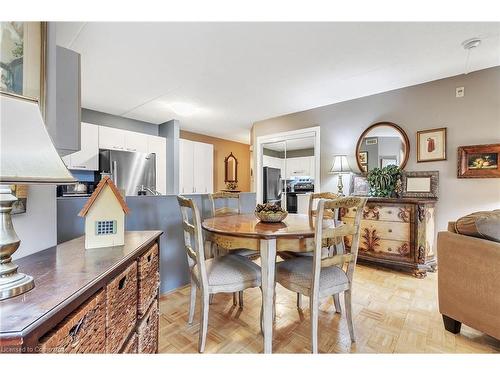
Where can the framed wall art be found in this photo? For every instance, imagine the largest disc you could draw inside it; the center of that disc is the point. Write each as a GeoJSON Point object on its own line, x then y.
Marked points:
{"type": "Point", "coordinates": [431, 145]}
{"type": "Point", "coordinates": [363, 160]}
{"type": "Point", "coordinates": [23, 58]}
{"type": "Point", "coordinates": [423, 184]}
{"type": "Point", "coordinates": [479, 161]}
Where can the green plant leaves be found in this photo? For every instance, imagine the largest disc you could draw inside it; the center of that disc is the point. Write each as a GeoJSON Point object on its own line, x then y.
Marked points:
{"type": "Point", "coordinates": [383, 181]}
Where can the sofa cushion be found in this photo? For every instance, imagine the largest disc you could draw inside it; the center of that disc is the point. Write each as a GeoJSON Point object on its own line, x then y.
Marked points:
{"type": "Point", "coordinates": [483, 224]}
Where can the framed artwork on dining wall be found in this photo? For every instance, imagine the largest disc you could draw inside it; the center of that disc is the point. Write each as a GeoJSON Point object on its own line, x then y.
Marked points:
{"type": "Point", "coordinates": [431, 145]}
{"type": "Point", "coordinates": [23, 48]}
{"type": "Point", "coordinates": [363, 160]}
{"type": "Point", "coordinates": [23, 59]}
{"type": "Point", "coordinates": [479, 161]}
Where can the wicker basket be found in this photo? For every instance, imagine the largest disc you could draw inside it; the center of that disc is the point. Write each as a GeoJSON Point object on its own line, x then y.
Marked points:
{"type": "Point", "coordinates": [121, 308]}
{"type": "Point", "coordinates": [271, 217]}
{"type": "Point", "coordinates": [149, 279]}
{"type": "Point", "coordinates": [148, 331]}
{"type": "Point", "coordinates": [83, 331]}
{"type": "Point", "coordinates": [132, 345]}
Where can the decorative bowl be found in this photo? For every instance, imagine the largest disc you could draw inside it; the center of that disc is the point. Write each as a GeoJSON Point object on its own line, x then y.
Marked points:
{"type": "Point", "coordinates": [271, 217]}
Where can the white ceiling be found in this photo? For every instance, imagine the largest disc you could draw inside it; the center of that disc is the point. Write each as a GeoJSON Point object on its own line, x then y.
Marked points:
{"type": "Point", "coordinates": [239, 73]}
{"type": "Point", "coordinates": [291, 144]}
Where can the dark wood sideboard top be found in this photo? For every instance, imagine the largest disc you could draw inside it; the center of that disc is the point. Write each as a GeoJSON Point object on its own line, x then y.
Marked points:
{"type": "Point", "coordinates": [65, 275]}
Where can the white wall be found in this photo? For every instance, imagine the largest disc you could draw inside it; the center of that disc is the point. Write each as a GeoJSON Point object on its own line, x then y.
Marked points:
{"type": "Point", "coordinates": [36, 228]}
{"type": "Point", "coordinates": [473, 119]}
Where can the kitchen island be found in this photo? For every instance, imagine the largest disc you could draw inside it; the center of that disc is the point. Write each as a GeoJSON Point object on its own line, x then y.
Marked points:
{"type": "Point", "coordinates": [149, 213]}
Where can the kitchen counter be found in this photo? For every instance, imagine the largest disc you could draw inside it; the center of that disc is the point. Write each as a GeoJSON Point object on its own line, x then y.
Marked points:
{"type": "Point", "coordinates": [149, 212]}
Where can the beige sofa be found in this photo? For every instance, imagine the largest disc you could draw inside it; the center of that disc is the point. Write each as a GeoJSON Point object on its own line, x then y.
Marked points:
{"type": "Point", "coordinates": [469, 282]}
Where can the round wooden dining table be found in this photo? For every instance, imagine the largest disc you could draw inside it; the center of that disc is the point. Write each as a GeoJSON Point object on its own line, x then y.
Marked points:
{"type": "Point", "coordinates": [245, 231]}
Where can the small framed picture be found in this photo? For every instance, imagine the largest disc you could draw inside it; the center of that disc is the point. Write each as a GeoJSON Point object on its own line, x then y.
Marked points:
{"type": "Point", "coordinates": [479, 161]}
{"type": "Point", "coordinates": [388, 160]}
{"type": "Point", "coordinates": [431, 145]}
{"type": "Point", "coordinates": [359, 186]}
{"type": "Point", "coordinates": [420, 184]}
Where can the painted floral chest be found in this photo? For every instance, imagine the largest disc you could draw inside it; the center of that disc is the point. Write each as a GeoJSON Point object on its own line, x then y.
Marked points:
{"type": "Point", "coordinates": [397, 233]}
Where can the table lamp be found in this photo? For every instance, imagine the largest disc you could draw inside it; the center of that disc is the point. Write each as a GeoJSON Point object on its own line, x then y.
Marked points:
{"type": "Point", "coordinates": [340, 167]}
{"type": "Point", "coordinates": [27, 156]}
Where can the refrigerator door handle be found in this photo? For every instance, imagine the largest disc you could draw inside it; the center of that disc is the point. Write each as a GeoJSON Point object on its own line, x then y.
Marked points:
{"type": "Point", "coordinates": [114, 172]}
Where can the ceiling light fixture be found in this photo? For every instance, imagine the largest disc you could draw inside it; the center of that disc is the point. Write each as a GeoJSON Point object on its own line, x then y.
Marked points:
{"type": "Point", "coordinates": [469, 45]}
{"type": "Point", "coordinates": [183, 108]}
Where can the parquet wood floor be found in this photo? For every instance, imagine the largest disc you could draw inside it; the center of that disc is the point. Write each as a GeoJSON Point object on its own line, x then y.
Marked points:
{"type": "Point", "coordinates": [393, 313]}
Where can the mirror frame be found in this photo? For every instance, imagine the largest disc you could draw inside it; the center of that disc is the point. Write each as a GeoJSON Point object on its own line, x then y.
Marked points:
{"type": "Point", "coordinates": [226, 167]}
{"type": "Point", "coordinates": [406, 141]}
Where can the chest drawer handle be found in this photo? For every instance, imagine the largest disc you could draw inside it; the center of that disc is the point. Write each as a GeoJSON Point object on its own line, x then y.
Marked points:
{"type": "Point", "coordinates": [149, 258]}
{"type": "Point", "coordinates": [389, 212]}
{"type": "Point", "coordinates": [121, 283]}
{"type": "Point", "coordinates": [73, 332]}
{"type": "Point", "coordinates": [389, 230]}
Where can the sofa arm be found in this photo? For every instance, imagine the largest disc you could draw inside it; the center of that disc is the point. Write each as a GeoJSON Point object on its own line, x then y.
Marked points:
{"type": "Point", "coordinates": [469, 281]}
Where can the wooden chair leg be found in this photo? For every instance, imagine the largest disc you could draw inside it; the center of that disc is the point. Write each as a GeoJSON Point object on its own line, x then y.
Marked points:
{"type": "Point", "coordinates": [262, 313]}
{"type": "Point", "coordinates": [314, 312]}
{"type": "Point", "coordinates": [192, 302]}
{"type": "Point", "coordinates": [235, 302]}
{"type": "Point", "coordinates": [336, 302]}
{"type": "Point", "coordinates": [348, 313]}
{"type": "Point", "coordinates": [451, 325]}
{"type": "Point", "coordinates": [299, 300]}
{"type": "Point", "coordinates": [203, 322]}
{"type": "Point", "coordinates": [274, 304]}
{"type": "Point", "coordinates": [240, 297]}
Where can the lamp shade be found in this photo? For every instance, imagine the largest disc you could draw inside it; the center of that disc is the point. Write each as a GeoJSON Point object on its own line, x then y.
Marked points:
{"type": "Point", "coordinates": [27, 154]}
{"type": "Point", "coordinates": [340, 165]}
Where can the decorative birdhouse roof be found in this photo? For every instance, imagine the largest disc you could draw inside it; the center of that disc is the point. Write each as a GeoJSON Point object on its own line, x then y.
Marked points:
{"type": "Point", "coordinates": [106, 181]}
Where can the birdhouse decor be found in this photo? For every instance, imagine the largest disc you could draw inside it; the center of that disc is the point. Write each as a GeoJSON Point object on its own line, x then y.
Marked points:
{"type": "Point", "coordinates": [104, 215]}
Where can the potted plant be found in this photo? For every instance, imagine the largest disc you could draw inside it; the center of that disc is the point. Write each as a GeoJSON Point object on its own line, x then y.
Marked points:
{"type": "Point", "coordinates": [384, 182]}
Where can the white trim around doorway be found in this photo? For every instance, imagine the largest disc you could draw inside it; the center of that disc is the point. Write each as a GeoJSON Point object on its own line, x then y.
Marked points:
{"type": "Point", "coordinates": [285, 136]}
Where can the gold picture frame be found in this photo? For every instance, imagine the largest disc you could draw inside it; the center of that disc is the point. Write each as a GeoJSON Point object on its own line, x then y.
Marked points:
{"type": "Point", "coordinates": [431, 145]}
{"type": "Point", "coordinates": [23, 58]}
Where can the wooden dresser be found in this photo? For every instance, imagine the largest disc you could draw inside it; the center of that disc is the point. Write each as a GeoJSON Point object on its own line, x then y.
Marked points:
{"type": "Point", "coordinates": [397, 233]}
{"type": "Point", "coordinates": [87, 301]}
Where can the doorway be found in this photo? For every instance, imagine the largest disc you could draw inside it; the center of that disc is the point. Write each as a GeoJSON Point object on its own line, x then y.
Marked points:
{"type": "Point", "coordinates": [288, 167]}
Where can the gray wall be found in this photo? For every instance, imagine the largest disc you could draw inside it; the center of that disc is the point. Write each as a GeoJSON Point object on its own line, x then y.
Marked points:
{"type": "Point", "coordinates": [149, 213]}
{"type": "Point", "coordinates": [171, 131]}
{"type": "Point", "coordinates": [473, 119]}
{"type": "Point", "coordinates": [105, 119]}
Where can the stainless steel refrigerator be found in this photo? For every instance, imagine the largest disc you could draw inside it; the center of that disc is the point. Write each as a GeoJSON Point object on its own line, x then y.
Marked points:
{"type": "Point", "coordinates": [134, 173]}
{"type": "Point", "coordinates": [273, 185]}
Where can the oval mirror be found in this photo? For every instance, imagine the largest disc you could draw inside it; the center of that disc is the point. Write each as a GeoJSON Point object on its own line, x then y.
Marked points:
{"type": "Point", "coordinates": [382, 144]}
{"type": "Point", "coordinates": [231, 168]}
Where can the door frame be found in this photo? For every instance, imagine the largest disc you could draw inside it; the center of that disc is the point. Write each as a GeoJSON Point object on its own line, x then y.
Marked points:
{"type": "Point", "coordinates": [313, 131]}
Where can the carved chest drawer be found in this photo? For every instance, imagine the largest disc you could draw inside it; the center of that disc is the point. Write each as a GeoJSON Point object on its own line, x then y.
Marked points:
{"type": "Point", "coordinates": [397, 233]}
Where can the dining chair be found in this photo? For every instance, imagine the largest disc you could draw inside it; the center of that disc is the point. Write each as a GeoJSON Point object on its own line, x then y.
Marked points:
{"type": "Point", "coordinates": [320, 276]}
{"type": "Point", "coordinates": [228, 273]}
{"type": "Point", "coordinates": [223, 209]}
{"type": "Point", "coordinates": [327, 246]}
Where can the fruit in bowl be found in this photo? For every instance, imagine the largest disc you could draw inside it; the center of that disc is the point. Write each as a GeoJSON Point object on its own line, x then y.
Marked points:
{"type": "Point", "coordinates": [270, 213]}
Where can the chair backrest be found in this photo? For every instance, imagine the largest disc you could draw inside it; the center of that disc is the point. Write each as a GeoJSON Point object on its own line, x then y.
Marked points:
{"type": "Point", "coordinates": [193, 236]}
{"type": "Point", "coordinates": [328, 228]}
{"type": "Point", "coordinates": [316, 197]}
{"type": "Point", "coordinates": [224, 196]}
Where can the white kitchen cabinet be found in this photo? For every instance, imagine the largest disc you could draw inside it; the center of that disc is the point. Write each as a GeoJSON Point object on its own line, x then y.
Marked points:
{"type": "Point", "coordinates": [158, 146]}
{"type": "Point", "coordinates": [88, 156]}
{"type": "Point", "coordinates": [297, 167]}
{"type": "Point", "coordinates": [111, 138]}
{"type": "Point", "coordinates": [196, 167]}
{"type": "Point", "coordinates": [136, 142]}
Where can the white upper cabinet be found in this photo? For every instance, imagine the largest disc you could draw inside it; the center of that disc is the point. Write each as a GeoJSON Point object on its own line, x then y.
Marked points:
{"type": "Point", "coordinates": [88, 156]}
{"type": "Point", "coordinates": [111, 138]}
{"type": "Point", "coordinates": [136, 142]}
{"type": "Point", "coordinates": [196, 167]}
{"type": "Point", "coordinates": [301, 166]}
{"type": "Point", "coordinates": [158, 146]}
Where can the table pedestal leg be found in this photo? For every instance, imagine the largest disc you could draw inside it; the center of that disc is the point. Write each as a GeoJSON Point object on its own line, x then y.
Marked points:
{"type": "Point", "coordinates": [268, 262]}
